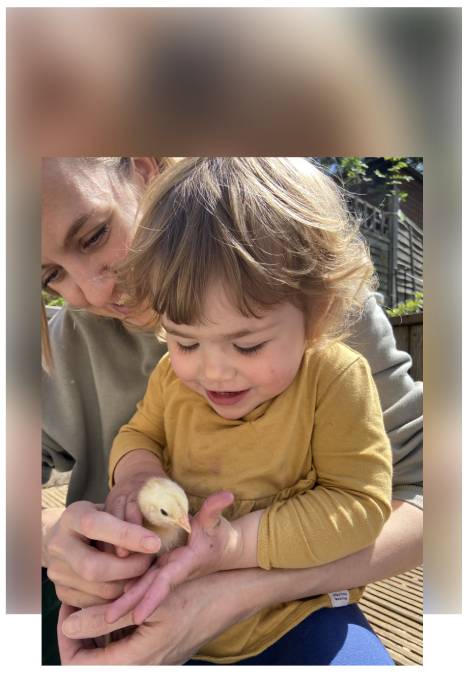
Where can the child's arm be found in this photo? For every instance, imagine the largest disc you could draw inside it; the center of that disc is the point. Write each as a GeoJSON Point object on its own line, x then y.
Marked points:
{"type": "Point", "coordinates": [136, 453]}
{"type": "Point", "coordinates": [145, 430]}
{"type": "Point", "coordinates": [352, 469]}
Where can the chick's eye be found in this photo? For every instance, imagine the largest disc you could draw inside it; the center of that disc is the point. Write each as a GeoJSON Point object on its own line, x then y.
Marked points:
{"type": "Point", "coordinates": [96, 237]}
{"type": "Point", "coordinates": [164, 512]}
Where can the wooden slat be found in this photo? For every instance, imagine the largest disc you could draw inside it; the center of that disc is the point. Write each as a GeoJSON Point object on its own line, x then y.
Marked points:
{"type": "Point", "coordinates": [387, 616]}
{"type": "Point", "coordinates": [394, 608]}
{"type": "Point", "coordinates": [410, 611]}
{"type": "Point", "coordinates": [406, 588]}
{"type": "Point", "coordinates": [54, 496]}
{"type": "Point", "coordinates": [400, 594]}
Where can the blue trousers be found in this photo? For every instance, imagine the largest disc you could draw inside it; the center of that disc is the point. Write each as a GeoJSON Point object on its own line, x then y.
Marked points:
{"type": "Point", "coordinates": [328, 637]}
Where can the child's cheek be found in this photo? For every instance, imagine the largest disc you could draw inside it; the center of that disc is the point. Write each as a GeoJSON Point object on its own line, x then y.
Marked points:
{"type": "Point", "coordinates": [181, 368]}
{"type": "Point", "coordinates": [280, 378]}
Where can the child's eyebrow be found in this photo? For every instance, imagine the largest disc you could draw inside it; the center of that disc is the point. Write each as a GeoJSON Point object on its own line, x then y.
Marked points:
{"type": "Point", "coordinates": [232, 335]}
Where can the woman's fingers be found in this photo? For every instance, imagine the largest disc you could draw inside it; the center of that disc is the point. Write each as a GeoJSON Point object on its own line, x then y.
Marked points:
{"type": "Point", "coordinates": [97, 525]}
{"type": "Point", "coordinates": [90, 622]}
{"type": "Point", "coordinates": [77, 599]}
{"type": "Point", "coordinates": [68, 648]}
{"type": "Point", "coordinates": [96, 566]}
{"type": "Point", "coordinates": [63, 576]}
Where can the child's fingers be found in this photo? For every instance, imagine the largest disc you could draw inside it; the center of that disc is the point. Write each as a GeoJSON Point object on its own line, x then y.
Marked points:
{"type": "Point", "coordinates": [130, 598]}
{"type": "Point", "coordinates": [129, 584]}
{"type": "Point", "coordinates": [211, 510]}
{"type": "Point", "coordinates": [117, 509]}
{"type": "Point", "coordinates": [177, 571]}
{"type": "Point", "coordinates": [121, 552]}
{"type": "Point", "coordinates": [133, 512]}
{"type": "Point", "coordinates": [155, 595]}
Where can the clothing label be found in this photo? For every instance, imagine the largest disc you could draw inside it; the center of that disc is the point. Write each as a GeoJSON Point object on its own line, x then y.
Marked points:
{"type": "Point", "coordinates": [339, 598]}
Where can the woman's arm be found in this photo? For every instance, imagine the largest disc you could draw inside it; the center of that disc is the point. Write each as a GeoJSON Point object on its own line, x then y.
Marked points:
{"type": "Point", "coordinates": [197, 611]}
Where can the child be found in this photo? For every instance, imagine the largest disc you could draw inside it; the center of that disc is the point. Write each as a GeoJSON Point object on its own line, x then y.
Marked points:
{"type": "Point", "coordinates": [255, 271]}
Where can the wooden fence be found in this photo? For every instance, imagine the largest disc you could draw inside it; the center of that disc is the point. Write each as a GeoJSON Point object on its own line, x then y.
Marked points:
{"type": "Point", "coordinates": [408, 331]}
{"type": "Point", "coordinates": [396, 245]}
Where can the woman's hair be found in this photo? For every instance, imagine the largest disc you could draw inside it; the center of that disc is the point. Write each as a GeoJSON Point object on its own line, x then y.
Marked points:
{"type": "Point", "coordinates": [122, 166]}
{"type": "Point", "coordinates": [269, 230]}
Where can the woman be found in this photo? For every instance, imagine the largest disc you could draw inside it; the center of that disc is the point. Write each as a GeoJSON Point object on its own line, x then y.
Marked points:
{"type": "Point", "coordinates": [100, 368]}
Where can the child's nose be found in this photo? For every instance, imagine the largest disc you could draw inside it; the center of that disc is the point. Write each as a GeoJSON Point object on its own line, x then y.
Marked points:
{"type": "Point", "coordinates": [216, 368]}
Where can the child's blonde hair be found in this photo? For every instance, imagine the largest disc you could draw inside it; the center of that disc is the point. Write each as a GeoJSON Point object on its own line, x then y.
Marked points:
{"type": "Point", "coordinates": [269, 230]}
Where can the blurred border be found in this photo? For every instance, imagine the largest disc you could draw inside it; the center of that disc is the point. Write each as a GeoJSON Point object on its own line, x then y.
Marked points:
{"type": "Point", "coordinates": [377, 81]}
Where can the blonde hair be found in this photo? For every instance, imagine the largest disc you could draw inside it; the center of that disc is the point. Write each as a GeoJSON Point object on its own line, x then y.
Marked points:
{"type": "Point", "coordinates": [122, 167]}
{"type": "Point", "coordinates": [270, 230]}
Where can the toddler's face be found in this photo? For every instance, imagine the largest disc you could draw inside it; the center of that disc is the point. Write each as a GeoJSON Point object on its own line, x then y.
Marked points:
{"type": "Point", "coordinates": [237, 363]}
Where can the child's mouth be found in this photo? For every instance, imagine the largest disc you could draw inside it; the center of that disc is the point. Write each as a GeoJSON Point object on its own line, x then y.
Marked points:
{"type": "Point", "coordinates": [225, 398]}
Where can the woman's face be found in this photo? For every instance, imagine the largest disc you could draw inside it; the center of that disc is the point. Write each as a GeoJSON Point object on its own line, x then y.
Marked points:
{"type": "Point", "coordinates": [88, 222]}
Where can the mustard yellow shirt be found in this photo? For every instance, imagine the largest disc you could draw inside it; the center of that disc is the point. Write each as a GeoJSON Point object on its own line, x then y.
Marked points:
{"type": "Point", "coordinates": [316, 458]}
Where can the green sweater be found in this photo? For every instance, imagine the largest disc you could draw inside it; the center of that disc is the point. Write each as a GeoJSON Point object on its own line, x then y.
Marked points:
{"type": "Point", "coordinates": [102, 370]}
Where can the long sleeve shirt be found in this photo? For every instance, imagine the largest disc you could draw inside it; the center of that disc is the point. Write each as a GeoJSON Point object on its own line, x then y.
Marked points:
{"type": "Point", "coordinates": [316, 459]}
{"type": "Point", "coordinates": [101, 371]}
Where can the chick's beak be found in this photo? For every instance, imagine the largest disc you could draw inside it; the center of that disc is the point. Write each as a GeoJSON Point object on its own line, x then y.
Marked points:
{"type": "Point", "coordinates": [184, 523]}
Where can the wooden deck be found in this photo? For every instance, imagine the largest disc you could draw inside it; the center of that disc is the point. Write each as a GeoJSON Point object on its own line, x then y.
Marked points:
{"type": "Point", "coordinates": [394, 607]}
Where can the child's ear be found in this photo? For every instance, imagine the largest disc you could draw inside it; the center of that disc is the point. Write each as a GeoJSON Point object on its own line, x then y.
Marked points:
{"type": "Point", "coordinates": [146, 168]}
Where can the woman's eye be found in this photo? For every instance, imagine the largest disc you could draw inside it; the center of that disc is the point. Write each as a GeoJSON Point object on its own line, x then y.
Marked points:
{"type": "Point", "coordinates": [53, 277]}
{"type": "Point", "coordinates": [251, 349]}
{"type": "Point", "coordinates": [187, 349]}
{"type": "Point", "coordinates": [96, 237]}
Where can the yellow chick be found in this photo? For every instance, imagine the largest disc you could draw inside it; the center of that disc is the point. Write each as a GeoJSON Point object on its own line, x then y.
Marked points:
{"type": "Point", "coordinates": [164, 506]}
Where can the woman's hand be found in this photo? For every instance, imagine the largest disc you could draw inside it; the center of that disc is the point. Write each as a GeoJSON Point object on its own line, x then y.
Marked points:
{"type": "Point", "coordinates": [82, 574]}
{"type": "Point", "coordinates": [194, 613]}
{"type": "Point", "coordinates": [214, 544]}
{"type": "Point", "coordinates": [198, 610]}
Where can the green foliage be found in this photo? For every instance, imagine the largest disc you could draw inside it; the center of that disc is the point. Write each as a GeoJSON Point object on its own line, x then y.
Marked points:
{"type": "Point", "coordinates": [352, 171]}
{"type": "Point", "coordinates": [407, 307]}
{"type": "Point", "coordinates": [50, 299]}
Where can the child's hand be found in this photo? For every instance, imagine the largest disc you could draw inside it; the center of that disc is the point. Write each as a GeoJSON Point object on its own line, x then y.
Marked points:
{"type": "Point", "coordinates": [214, 544]}
{"type": "Point", "coordinates": [122, 503]}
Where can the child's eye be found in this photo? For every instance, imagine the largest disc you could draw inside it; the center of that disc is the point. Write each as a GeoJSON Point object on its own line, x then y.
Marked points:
{"type": "Point", "coordinates": [187, 349]}
{"type": "Point", "coordinates": [96, 238]}
{"type": "Point", "coordinates": [251, 349]}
